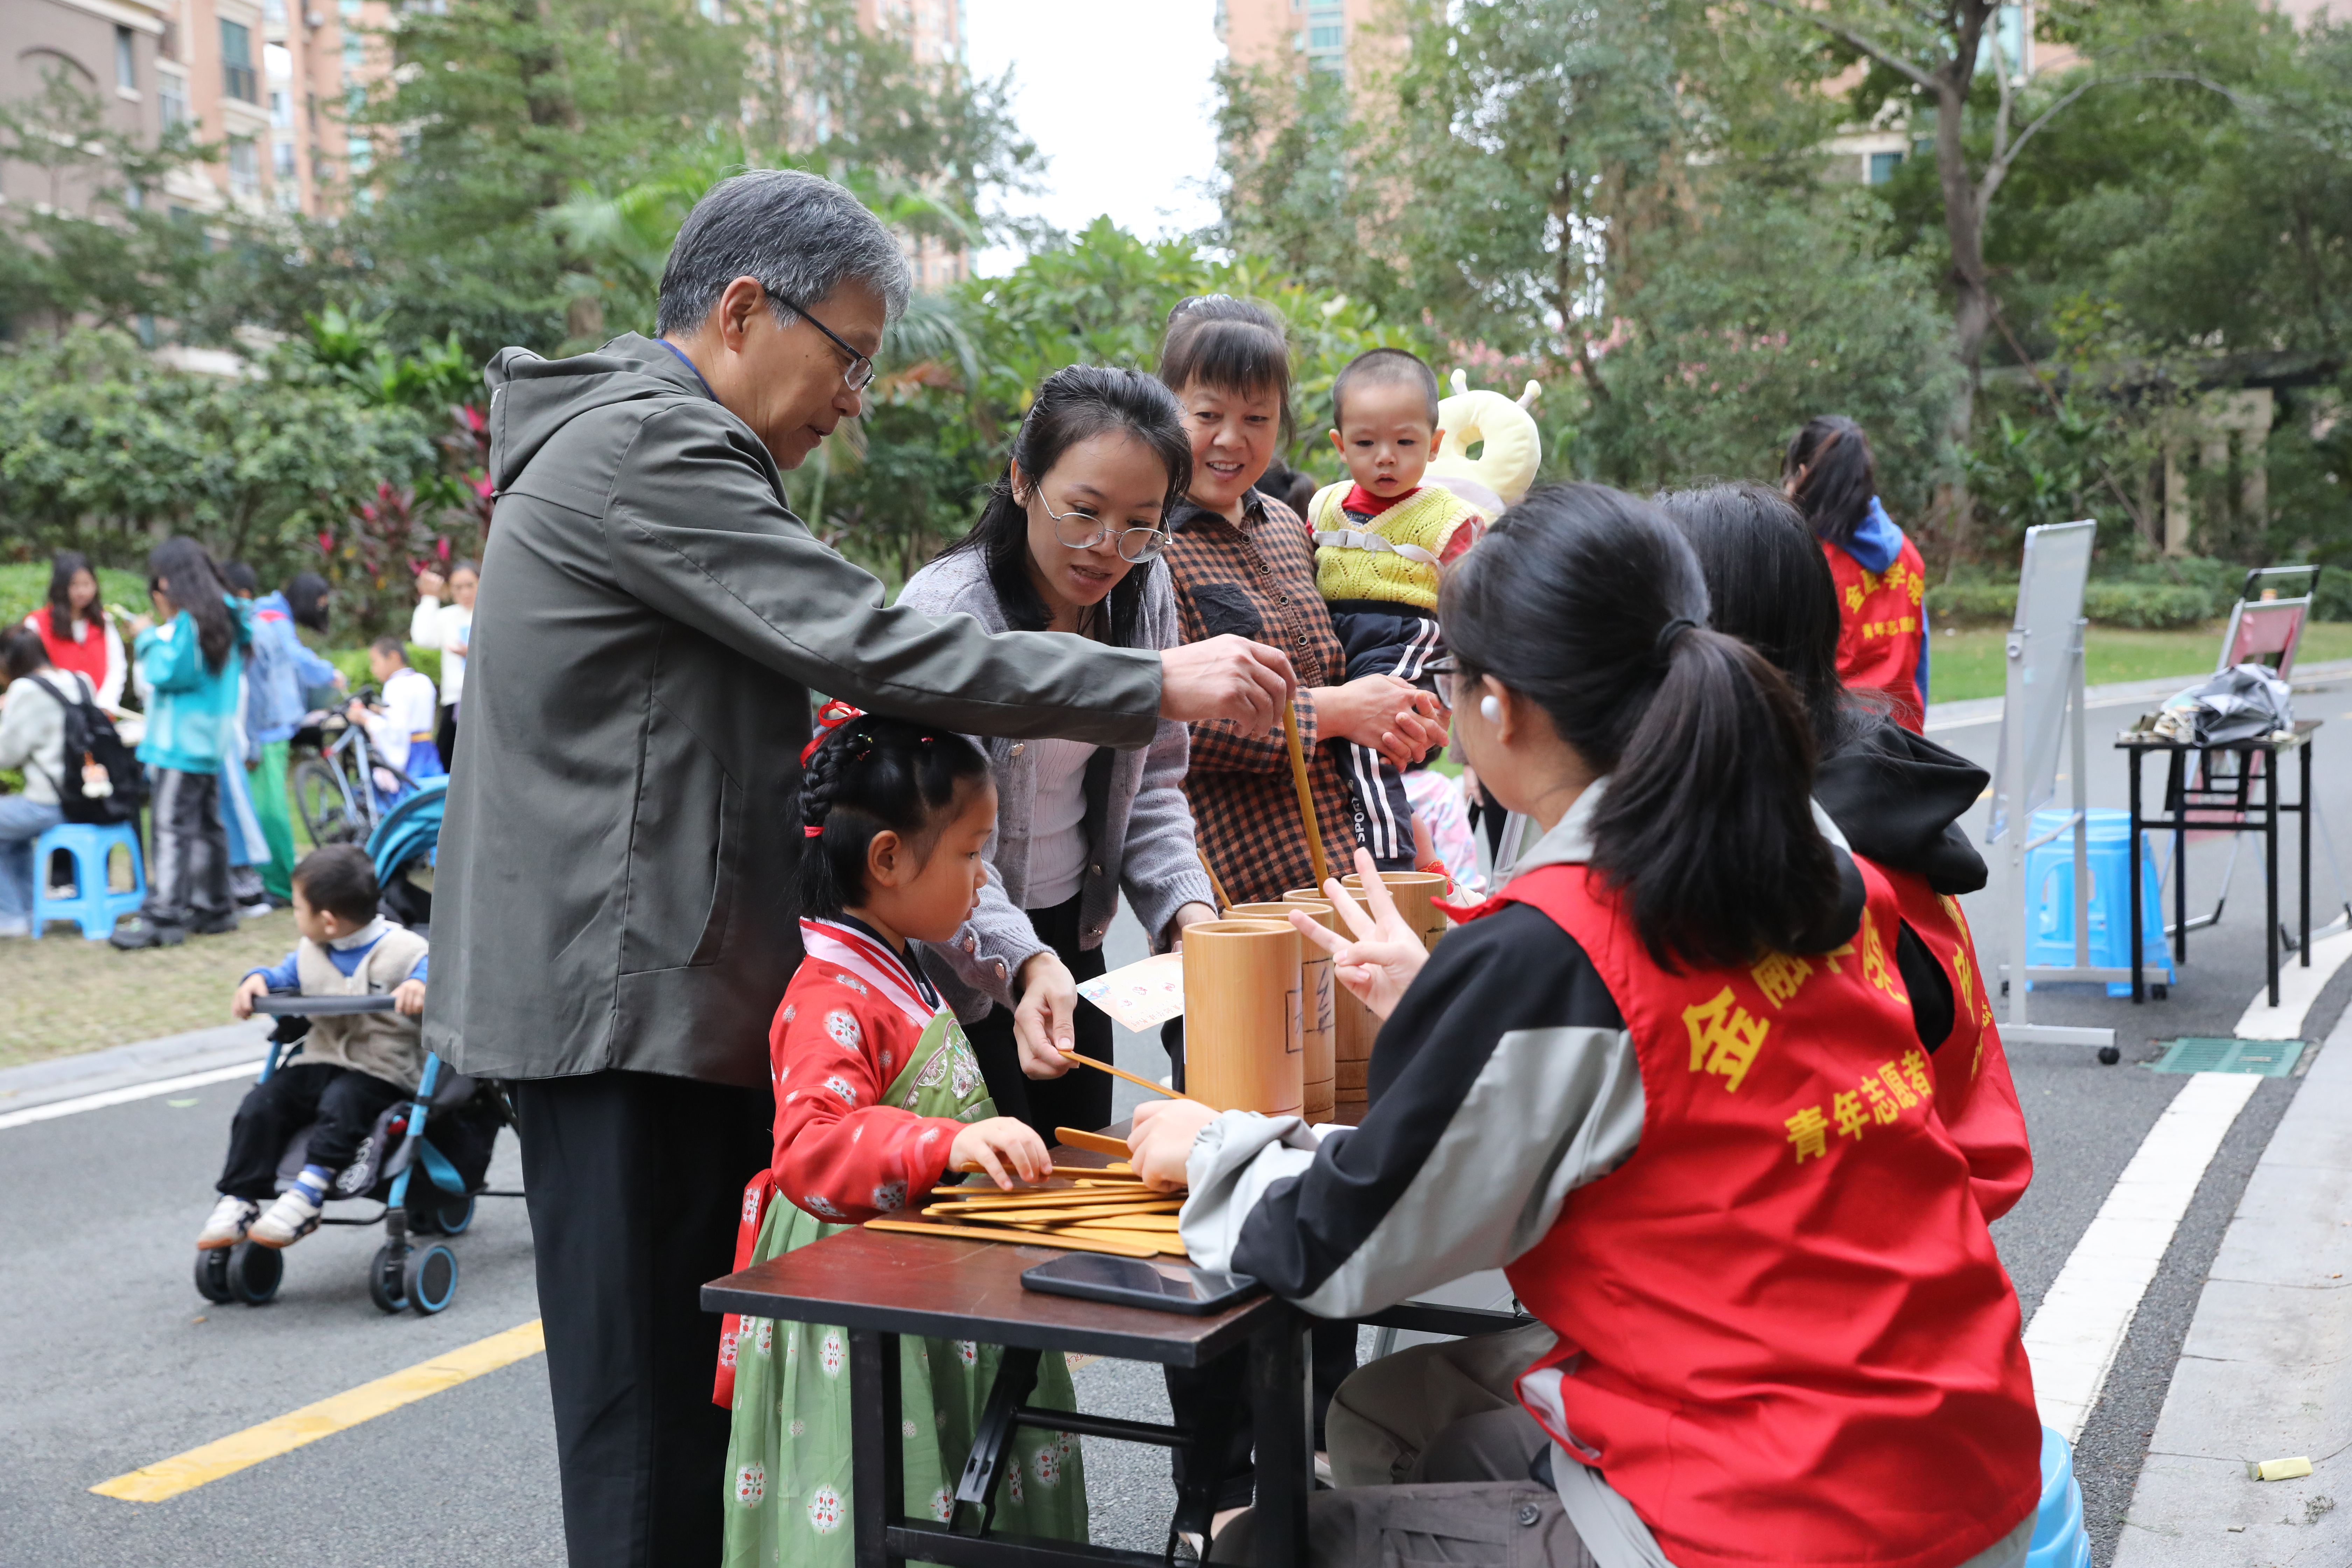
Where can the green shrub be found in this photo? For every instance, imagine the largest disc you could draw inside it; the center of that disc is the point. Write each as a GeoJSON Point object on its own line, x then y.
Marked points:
{"type": "Point", "coordinates": [353, 663]}
{"type": "Point", "coordinates": [25, 588]}
{"type": "Point", "coordinates": [1950, 604]}
{"type": "Point", "coordinates": [2150, 606]}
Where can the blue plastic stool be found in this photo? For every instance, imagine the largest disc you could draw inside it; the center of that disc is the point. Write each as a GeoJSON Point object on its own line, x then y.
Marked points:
{"type": "Point", "coordinates": [2059, 1537]}
{"type": "Point", "coordinates": [94, 906]}
{"type": "Point", "coordinates": [2050, 875]}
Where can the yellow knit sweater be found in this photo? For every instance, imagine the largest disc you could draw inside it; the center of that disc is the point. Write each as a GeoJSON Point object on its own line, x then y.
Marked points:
{"type": "Point", "coordinates": [1395, 558]}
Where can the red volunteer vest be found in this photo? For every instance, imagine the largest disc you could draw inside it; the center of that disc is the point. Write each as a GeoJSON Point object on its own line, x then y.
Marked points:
{"type": "Point", "coordinates": [1879, 627]}
{"type": "Point", "coordinates": [89, 656]}
{"type": "Point", "coordinates": [1974, 1094]}
{"type": "Point", "coordinates": [1784, 1335]}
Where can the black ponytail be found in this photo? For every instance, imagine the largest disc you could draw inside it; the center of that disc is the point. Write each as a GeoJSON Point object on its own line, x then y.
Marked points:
{"type": "Point", "coordinates": [1589, 602]}
{"type": "Point", "coordinates": [875, 774]}
{"type": "Point", "coordinates": [1834, 476]}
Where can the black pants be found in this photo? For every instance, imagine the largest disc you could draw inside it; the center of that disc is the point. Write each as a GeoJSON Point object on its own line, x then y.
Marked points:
{"type": "Point", "coordinates": [1220, 1391]}
{"type": "Point", "coordinates": [1381, 638]}
{"type": "Point", "coordinates": [636, 1183]}
{"type": "Point", "coordinates": [1079, 1098]}
{"type": "Point", "coordinates": [444, 740]}
{"type": "Point", "coordinates": [187, 869]}
{"type": "Point", "coordinates": [343, 1102]}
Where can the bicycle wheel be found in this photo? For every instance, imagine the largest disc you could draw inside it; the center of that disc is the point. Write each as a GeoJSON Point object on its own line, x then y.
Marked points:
{"type": "Point", "coordinates": [325, 808]}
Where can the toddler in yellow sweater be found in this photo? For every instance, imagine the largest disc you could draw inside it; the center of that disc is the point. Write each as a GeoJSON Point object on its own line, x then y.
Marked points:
{"type": "Point", "coordinates": [1381, 543]}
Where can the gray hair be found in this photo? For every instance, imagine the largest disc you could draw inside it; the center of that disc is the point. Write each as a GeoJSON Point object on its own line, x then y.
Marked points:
{"type": "Point", "coordinates": [801, 234]}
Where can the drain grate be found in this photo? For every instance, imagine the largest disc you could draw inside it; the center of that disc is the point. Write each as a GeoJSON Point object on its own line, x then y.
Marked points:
{"type": "Point", "coordinates": [2263, 1058]}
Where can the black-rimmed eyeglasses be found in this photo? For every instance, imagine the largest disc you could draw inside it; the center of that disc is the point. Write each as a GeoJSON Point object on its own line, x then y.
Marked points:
{"type": "Point", "coordinates": [858, 374]}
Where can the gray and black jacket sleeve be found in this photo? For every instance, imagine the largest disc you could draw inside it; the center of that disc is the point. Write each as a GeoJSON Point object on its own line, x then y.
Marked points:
{"type": "Point", "coordinates": [1505, 1080]}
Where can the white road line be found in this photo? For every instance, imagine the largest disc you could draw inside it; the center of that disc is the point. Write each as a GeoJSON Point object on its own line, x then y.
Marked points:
{"type": "Point", "coordinates": [2298, 989]}
{"type": "Point", "coordinates": [2082, 1321]}
{"type": "Point", "coordinates": [126, 1094]}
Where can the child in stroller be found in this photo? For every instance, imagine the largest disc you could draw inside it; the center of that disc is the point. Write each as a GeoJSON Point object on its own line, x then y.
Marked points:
{"type": "Point", "coordinates": [354, 1066]}
{"type": "Point", "coordinates": [344, 1118]}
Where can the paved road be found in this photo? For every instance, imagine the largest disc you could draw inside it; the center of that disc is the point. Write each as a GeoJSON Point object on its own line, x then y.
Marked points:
{"type": "Point", "coordinates": [110, 1361]}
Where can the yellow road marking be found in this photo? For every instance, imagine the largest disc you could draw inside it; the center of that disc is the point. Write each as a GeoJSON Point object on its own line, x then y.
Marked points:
{"type": "Point", "coordinates": [241, 1451]}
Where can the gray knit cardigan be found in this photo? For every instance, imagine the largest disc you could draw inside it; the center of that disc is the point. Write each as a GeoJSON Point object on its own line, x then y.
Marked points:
{"type": "Point", "coordinates": [1138, 828]}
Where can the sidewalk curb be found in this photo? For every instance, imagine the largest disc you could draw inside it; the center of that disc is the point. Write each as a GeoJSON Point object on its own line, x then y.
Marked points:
{"type": "Point", "coordinates": [1987, 710]}
{"type": "Point", "coordinates": [2266, 1370]}
{"type": "Point", "coordinates": [122, 1066]}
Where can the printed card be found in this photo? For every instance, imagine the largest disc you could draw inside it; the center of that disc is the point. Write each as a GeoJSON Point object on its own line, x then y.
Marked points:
{"type": "Point", "coordinates": [1141, 995]}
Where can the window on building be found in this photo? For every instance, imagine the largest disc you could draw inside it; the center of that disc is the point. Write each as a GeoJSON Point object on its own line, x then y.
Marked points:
{"type": "Point", "coordinates": [281, 114]}
{"type": "Point", "coordinates": [1323, 37]}
{"type": "Point", "coordinates": [1883, 166]}
{"type": "Point", "coordinates": [126, 60]}
{"type": "Point", "coordinates": [172, 97]}
{"type": "Point", "coordinates": [238, 79]}
{"type": "Point", "coordinates": [244, 167]}
{"type": "Point", "coordinates": [273, 13]}
{"type": "Point", "coordinates": [168, 46]}
{"type": "Point", "coordinates": [2007, 28]}
{"type": "Point", "coordinates": [281, 160]}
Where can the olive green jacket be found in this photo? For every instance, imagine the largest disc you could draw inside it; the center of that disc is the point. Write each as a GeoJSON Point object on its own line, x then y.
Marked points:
{"type": "Point", "coordinates": [615, 882]}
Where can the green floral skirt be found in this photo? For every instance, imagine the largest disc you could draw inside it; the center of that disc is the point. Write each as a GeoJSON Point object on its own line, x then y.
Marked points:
{"type": "Point", "coordinates": [788, 1491]}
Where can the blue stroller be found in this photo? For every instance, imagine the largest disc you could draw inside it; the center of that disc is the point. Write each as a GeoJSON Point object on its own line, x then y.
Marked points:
{"type": "Point", "coordinates": [465, 1115]}
{"type": "Point", "coordinates": [454, 1162]}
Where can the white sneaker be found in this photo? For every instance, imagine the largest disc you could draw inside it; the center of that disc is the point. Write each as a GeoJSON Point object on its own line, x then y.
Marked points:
{"type": "Point", "coordinates": [232, 1217]}
{"type": "Point", "coordinates": [256, 910]}
{"type": "Point", "coordinates": [289, 1219]}
{"type": "Point", "coordinates": [15, 928]}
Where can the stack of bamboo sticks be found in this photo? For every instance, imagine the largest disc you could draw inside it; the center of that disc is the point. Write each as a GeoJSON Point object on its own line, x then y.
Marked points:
{"type": "Point", "coordinates": [1101, 1209]}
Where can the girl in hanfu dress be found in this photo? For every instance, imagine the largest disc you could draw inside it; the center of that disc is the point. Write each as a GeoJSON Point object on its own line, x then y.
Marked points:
{"type": "Point", "coordinates": [879, 1096]}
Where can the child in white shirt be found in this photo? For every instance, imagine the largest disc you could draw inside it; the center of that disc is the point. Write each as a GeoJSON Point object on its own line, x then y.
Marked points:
{"type": "Point", "coordinates": [401, 729]}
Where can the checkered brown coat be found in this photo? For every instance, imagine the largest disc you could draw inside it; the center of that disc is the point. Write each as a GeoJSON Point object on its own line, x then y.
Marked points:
{"type": "Point", "coordinates": [1259, 581]}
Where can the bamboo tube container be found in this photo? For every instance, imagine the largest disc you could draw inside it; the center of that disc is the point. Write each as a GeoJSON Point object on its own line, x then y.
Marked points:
{"type": "Point", "coordinates": [1416, 894]}
{"type": "Point", "coordinates": [1242, 1045]}
{"type": "Point", "coordinates": [1353, 1026]}
{"type": "Point", "coordinates": [1316, 1009]}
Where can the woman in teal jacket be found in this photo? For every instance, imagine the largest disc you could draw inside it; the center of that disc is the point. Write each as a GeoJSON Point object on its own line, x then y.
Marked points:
{"type": "Point", "coordinates": [189, 662]}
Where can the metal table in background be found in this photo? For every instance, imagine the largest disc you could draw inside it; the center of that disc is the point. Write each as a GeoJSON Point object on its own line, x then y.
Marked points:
{"type": "Point", "coordinates": [2224, 806]}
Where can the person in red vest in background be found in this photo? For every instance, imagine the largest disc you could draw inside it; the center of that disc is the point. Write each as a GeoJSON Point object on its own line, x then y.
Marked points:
{"type": "Point", "coordinates": [1881, 582]}
{"type": "Point", "coordinates": [77, 630]}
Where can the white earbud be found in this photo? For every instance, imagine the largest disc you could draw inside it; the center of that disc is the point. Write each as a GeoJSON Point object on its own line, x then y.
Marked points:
{"type": "Point", "coordinates": [1490, 709]}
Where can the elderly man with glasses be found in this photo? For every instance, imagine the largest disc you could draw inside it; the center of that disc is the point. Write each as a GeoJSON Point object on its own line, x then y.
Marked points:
{"type": "Point", "coordinates": [615, 914]}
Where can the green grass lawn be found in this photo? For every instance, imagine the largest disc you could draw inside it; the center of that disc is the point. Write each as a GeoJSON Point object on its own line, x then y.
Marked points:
{"type": "Point", "coordinates": [1968, 662]}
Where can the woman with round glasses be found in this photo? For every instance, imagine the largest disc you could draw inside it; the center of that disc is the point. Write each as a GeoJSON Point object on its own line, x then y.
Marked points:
{"type": "Point", "coordinates": [1070, 542]}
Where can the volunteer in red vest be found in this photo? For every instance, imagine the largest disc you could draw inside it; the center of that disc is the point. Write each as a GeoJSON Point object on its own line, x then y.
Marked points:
{"type": "Point", "coordinates": [1668, 1079]}
{"type": "Point", "coordinates": [1897, 798]}
{"type": "Point", "coordinates": [75, 630]}
{"type": "Point", "coordinates": [1829, 473]}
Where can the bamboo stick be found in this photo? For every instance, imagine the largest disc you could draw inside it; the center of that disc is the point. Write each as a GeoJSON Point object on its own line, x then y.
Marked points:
{"type": "Point", "coordinates": [1214, 885]}
{"type": "Point", "coordinates": [1092, 1142]}
{"type": "Point", "coordinates": [1128, 1222]}
{"type": "Point", "coordinates": [1305, 792]}
{"type": "Point", "coordinates": [1066, 1198]}
{"type": "Point", "coordinates": [1056, 1235]}
{"type": "Point", "coordinates": [1104, 1212]}
{"type": "Point", "coordinates": [1116, 1247]}
{"type": "Point", "coordinates": [1121, 1072]}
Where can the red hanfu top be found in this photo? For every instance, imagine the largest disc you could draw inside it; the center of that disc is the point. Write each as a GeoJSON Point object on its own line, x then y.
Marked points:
{"type": "Point", "coordinates": [85, 654]}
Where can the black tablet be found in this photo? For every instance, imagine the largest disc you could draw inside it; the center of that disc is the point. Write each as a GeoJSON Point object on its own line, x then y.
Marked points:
{"type": "Point", "coordinates": [1133, 1282]}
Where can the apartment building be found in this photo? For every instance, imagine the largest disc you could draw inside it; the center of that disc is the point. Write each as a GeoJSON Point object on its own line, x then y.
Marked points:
{"type": "Point", "coordinates": [934, 33]}
{"type": "Point", "coordinates": [1269, 32]}
{"type": "Point", "coordinates": [111, 50]}
{"type": "Point", "coordinates": [258, 80]}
